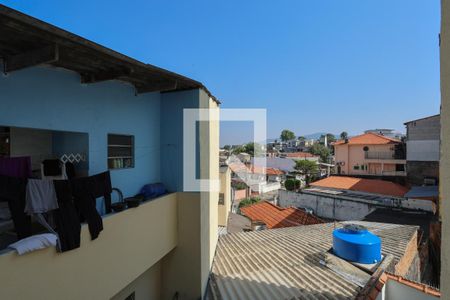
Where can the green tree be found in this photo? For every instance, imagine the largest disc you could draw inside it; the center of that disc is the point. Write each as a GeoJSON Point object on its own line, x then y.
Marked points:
{"type": "Point", "coordinates": [292, 184]}
{"type": "Point", "coordinates": [321, 150]}
{"type": "Point", "coordinates": [344, 135]}
{"type": "Point", "coordinates": [227, 147]}
{"type": "Point", "coordinates": [307, 168]}
{"type": "Point", "coordinates": [239, 149]}
{"type": "Point", "coordinates": [331, 138]}
{"type": "Point", "coordinates": [249, 201]}
{"type": "Point", "coordinates": [239, 185]}
{"type": "Point", "coordinates": [254, 149]}
{"type": "Point", "coordinates": [287, 135]}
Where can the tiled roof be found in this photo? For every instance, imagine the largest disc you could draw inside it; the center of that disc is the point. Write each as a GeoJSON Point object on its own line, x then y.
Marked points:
{"type": "Point", "coordinates": [368, 139]}
{"type": "Point", "coordinates": [286, 263]}
{"type": "Point", "coordinates": [299, 154]}
{"type": "Point", "coordinates": [277, 217]}
{"type": "Point", "coordinates": [375, 186]}
{"type": "Point", "coordinates": [241, 168]}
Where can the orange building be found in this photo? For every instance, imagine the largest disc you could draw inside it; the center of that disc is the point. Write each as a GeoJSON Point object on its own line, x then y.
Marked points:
{"type": "Point", "coordinates": [370, 154]}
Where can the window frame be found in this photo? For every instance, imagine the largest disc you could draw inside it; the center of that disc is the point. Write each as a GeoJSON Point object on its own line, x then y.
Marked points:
{"type": "Point", "coordinates": [120, 159]}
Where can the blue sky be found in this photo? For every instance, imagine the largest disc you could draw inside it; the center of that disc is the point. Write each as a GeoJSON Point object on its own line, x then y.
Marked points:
{"type": "Point", "coordinates": [321, 65]}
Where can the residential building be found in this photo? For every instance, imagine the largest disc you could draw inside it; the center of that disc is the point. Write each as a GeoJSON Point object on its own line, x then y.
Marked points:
{"type": "Point", "coordinates": [293, 145]}
{"type": "Point", "coordinates": [370, 154]}
{"type": "Point", "coordinates": [296, 263]}
{"type": "Point", "coordinates": [350, 198]}
{"type": "Point", "coordinates": [74, 96]}
{"type": "Point", "coordinates": [259, 179]}
{"type": "Point", "coordinates": [422, 150]}
{"type": "Point", "coordinates": [244, 157]}
{"type": "Point", "coordinates": [273, 216]}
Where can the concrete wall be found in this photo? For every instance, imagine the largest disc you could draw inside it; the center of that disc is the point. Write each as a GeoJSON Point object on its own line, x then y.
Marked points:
{"type": "Point", "coordinates": [186, 269]}
{"type": "Point", "coordinates": [131, 243]}
{"type": "Point", "coordinates": [394, 290]}
{"type": "Point", "coordinates": [181, 268]}
{"type": "Point", "coordinates": [422, 150]}
{"type": "Point", "coordinates": [346, 208]}
{"type": "Point", "coordinates": [171, 158]}
{"type": "Point", "coordinates": [418, 170]}
{"type": "Point", "coordinates": [30, 142]}
{"type": "Point", "coordinates": [240, 194]}
{"type": "Point", "coordinates": [146, 287]}
{"type": "Point", "coordinates": [209, 169]}
{"type": "Point", "coordinates": [424, 129]}
{"type": "Point", "coordinates": [326, 207]}
{"type": "Point", "coordinates": [445, 147]}
{"type": "Point", "coordinates": [72, 143]}
{"type": "Point", "coordinates": [262, 188]}
{"type": "Point", "coordinates": [54, 99]}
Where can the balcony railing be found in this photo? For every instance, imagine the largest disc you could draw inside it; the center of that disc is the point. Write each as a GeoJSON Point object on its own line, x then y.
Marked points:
{"type": "Point", "coordinates": [394, 173]}
{"type": "Point", "coordinates": [383, 155]}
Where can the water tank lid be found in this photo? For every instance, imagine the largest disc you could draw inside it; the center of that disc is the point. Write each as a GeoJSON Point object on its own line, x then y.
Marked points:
{"type": "Point", "coordinates": [354, 242]}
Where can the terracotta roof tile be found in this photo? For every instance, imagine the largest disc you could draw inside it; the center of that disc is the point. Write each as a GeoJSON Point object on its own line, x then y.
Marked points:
{"type": "Point", "coordinates": [277, 217]}
{"type": "Point", "coordinates": [385, 277]}
{"type": "Point", "coordinates": [368, 139]}
{"type": "Point", "coordinates": [375, 186]}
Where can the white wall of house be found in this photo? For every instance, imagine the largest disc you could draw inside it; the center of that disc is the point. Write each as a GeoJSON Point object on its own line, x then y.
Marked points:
{"type": "Point", "coordinates": [398, 291]}
{"type": "Point", "coordinates": [346, 208]}
{"type": "Point", "coordinates": [422, 150]}
{"type": "Point", "coordinates": [326, 207]}
{"type": "Point", "coordinates": [265, 187]}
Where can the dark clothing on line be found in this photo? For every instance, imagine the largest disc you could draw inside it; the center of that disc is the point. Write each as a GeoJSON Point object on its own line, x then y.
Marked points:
{"type": "Point", "coordinates": [52, 167]}
{"type": "Point", "coordinates": [19, 167]}
{"type": "Point", "coordinates": [70, 170]}
{"type": "Point", "coordinates": [82, 189]}
{"type": "Point", "coordinates": [66, 217]}
{"type": "Point", "coordinates": [13, 190]}
{"type": "Point", "coordinates": [101, 187]}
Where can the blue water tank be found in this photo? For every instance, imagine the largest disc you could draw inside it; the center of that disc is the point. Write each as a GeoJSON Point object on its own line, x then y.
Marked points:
{"type": "Point", "coordinates": [356, 244]}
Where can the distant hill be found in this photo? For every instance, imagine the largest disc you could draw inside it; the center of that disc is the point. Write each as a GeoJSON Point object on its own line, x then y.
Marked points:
{"type": "Point", "coordinates": [317, 135]}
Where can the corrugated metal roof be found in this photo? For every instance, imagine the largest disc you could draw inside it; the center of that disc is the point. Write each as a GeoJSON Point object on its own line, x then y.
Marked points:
{"type": "Point", "coordinates": [423, 191]}
{"type": "Point", "coordinates": [285, 263]}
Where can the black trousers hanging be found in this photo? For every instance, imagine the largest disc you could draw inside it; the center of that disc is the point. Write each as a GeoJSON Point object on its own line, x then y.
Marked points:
{"type": "Point", "coordinates": [66, 218]}
{"type": "Point", "coordinates": [85, 203]}
{"type": "Point", "coordinates": [101, 187]}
